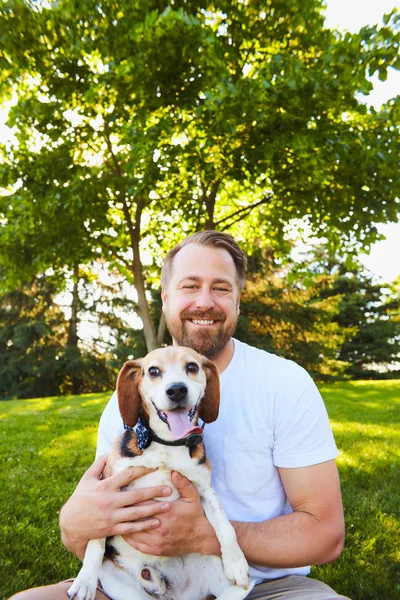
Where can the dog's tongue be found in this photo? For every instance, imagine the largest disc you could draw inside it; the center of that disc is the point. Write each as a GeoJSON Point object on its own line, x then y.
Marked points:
{"type": "Point", "coordinates": [180, 424]}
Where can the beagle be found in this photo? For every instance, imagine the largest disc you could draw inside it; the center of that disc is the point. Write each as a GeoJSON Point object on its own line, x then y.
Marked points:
{"type": "Point", "coordinates": [166, 392]}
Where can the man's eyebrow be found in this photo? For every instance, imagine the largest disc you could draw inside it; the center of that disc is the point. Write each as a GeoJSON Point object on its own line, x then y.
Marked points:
{"type": "Point", "coordinates": [197, 278]}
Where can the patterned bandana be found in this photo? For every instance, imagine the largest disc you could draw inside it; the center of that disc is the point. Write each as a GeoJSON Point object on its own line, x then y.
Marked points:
{"type": "Point", "coordinates": [142, 434]}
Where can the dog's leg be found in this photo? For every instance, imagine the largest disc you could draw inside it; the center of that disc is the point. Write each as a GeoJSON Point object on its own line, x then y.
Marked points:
{"type": "Point", "coordinates": [235, 565]}
{"type": "Point", "coordinates": [84, 586]}
{"type": "Point", "coordinates": [236, 593]}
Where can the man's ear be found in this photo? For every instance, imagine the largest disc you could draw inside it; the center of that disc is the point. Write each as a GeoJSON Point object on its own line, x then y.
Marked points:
{"type": "Point", "coordinates": [163, 297]}
{"type": "Point", "coordinates": [129, 399]}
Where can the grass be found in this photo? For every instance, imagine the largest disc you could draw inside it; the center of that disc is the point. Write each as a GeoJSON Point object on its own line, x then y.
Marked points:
{"type": "Point", "coordinates": [46, 444]}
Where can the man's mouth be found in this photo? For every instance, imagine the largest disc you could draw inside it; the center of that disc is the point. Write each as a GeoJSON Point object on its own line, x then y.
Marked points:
{"type": "Point", "coordinates": [202, 321]}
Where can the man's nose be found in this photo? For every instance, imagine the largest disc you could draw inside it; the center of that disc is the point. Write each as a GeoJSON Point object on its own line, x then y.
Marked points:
{"type": "Point", "coordinates": [204, 299]}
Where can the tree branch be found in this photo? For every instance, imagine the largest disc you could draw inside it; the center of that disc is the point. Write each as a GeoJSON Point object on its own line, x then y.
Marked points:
{"type": "Point", "coordinates": [115, 254]}
{"type": "Point", "coordinates": [117, 167]}
{"type": "Point", "coordinates": [245, 209]}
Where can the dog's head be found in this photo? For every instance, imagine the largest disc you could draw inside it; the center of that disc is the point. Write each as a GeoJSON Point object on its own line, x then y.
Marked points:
{"type": "Point", "coordinates": [170, 388]}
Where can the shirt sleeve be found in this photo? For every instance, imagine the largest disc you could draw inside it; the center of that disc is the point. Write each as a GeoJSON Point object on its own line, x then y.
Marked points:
{"type": "Point", "coordinates": [302, 432]}
{"type": "Point", "coordinates": [110, 426]}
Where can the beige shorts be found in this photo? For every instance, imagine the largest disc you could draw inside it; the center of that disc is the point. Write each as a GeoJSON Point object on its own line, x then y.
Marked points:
{"type": "Point", "coordinates": [293, 587]}
{"type": "Point", "coordinates": [99, 587]}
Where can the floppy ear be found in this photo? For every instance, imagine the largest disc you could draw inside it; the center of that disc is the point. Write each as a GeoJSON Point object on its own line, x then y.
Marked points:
{"type": "Point", "coordinates": [127, 391]}
{"type": "Point", "coordinates": [209, 405]}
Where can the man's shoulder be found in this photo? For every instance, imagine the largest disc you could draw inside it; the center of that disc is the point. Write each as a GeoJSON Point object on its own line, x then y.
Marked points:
{"type": "Point", "coordinates": [263, 358]}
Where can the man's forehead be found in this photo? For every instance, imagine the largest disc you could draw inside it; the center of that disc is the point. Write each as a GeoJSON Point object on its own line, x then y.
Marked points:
{"type": "Point", "coordinates": [195, 260]}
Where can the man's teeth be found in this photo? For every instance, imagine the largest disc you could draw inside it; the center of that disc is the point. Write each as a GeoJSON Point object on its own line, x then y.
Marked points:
{"type": "Point", "coordinates": [202, 322]}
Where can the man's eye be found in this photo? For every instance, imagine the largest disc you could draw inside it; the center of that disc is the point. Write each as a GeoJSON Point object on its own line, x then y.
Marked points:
{"type": "Point", "coordinates": [192, 368]}
{"type": "Point", "coordinates": [154, 371]}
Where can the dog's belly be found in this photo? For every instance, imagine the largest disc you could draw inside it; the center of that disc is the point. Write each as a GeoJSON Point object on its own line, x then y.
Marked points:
{"type": "Point", "coordinates": [176, 578]}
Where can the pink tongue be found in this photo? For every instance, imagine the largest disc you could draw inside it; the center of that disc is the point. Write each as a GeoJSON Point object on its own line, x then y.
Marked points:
{"type": "Point", "coordinates": [180, 425]}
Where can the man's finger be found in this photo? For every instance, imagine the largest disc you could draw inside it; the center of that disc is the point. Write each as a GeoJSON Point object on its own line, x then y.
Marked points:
{"type": "Point", "coordinates": [96, 469]}
{"type": "Point", "coordinates": [144, 511]}
{"type": "Point", "coordinates": [135, 527]}
{"type": "Point", "coordinates": [184, 486]}
{"type": "Point", "coordinates": [138, 495]}
{"type": "Point", "coordinates": [128, 475]}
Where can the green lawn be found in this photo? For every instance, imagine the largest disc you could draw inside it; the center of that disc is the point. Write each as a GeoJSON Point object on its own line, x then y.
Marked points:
{"type": "Point", "coordinates": [46, 444]}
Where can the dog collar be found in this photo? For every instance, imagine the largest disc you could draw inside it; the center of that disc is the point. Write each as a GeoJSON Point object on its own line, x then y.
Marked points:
{"type": "Point", "coordinates": [189, 441]}
{"type": "Point", "coordinates": [145, 437]}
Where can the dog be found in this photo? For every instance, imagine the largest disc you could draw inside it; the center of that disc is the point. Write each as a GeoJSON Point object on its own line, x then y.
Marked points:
{"type": "Point", "coordinates": [166, 392]}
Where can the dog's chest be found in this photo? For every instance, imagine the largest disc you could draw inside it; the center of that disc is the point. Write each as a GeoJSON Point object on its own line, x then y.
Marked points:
{"type": "Point", "coordinates": [164, 459]}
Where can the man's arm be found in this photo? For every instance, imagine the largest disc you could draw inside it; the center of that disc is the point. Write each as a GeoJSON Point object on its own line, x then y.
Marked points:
{"type": "Point", "coordinates": [98, 508]}
{"type": "Point", "coordinates": [312, 534]}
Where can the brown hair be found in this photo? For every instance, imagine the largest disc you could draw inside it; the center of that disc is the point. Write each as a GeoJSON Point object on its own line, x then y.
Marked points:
{"type": "Point", "coordinates": [215, 239]}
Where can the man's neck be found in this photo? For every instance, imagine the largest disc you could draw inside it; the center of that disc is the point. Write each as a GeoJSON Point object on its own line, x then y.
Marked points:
{"type": "Point", "coordinates": [222, 359]}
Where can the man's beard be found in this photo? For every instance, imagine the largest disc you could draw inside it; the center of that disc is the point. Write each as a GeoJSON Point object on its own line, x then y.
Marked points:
{"type": "Point", "coordinates": [209, 342]}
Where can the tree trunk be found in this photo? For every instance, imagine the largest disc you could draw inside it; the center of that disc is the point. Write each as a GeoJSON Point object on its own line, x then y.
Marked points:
{"type": "Point", "coordinates": [210, 199]}
{"type": "Point", "coordinates": [162, 326]}
{"type": "Point", "coordinates": [73, 321]}
{"type": "Point", "coordinates": [143, 309]}
{"type": "Point", "coordinates": [137, 271]}
{"type": "Point", "coordinates": [72, 342]}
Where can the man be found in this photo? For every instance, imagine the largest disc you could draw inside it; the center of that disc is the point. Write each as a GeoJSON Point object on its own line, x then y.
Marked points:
{"type": "Point", "coordinates": [271, 448]}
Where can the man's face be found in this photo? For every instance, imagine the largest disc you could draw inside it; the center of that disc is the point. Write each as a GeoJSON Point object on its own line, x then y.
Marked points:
{"type": "Point", "coordinates": [201, 301]}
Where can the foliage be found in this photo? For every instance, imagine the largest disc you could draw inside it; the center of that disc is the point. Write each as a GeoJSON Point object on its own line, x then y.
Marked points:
{"type": "Point", "coordinates": [289, 316]}
{"type": "Point", "coordinates": [368, 309]}
{"type": "Point", "coordinates": [139, 122]}
{"type": "Point", "coordinates": [35, 357]}
{"type": "Point", "coordinates": [46, 444]}
{"type": "Point", "coordinates": [375, 311]}
{"type": "Point", "coordinates": [327, 314]}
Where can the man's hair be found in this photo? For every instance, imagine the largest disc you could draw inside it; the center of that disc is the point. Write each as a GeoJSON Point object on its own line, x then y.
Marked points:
{"type": "Point", "coordinates": [215, 239]}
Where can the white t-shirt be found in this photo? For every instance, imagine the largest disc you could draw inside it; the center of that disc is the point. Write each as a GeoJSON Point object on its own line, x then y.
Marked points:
{"type": "Point", "coordinates": [271, 415]}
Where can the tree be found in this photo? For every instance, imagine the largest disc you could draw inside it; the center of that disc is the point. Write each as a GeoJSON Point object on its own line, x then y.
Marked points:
{"type": "Point", "coordinates": [368, 310]}
{"type": "Point", "coordinates": [35, 358]}
{"type": "Point", "coordinates": [284, 311]}
{"type": "Point", "coordinates": [373, 311]}
{"type": "Point", "coordinates": [327, 314]}
{"type": "Point", "coordinates": [139, 122]}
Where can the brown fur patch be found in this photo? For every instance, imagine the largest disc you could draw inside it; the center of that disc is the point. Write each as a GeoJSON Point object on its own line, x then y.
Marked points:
{"type": "Point", "coordinates": [199, 453]}
{"type": "Point", "coordinates": [129, 445]}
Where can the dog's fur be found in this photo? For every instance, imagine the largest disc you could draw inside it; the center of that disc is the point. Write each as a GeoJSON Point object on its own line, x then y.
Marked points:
{"type": "Point", "coordinates": [145, 388]}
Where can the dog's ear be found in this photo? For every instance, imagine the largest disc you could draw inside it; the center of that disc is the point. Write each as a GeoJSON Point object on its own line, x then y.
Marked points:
{"type": "Point", "coordinates": [209, 405]}
{"type": "Point", "coordinates": [127, 391]}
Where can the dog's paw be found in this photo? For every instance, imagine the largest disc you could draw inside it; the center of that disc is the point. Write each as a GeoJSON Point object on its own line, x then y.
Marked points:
{"type": "Point", "coordinates": [236, 568]}
{"type": "Point", "coordinates": [83, 589]}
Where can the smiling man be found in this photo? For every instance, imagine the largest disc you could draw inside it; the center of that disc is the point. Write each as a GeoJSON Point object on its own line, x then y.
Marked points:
{"type": "Point", "coordinates": [200, 293]}
{"type": "Point", "coordinates": [271, 448]}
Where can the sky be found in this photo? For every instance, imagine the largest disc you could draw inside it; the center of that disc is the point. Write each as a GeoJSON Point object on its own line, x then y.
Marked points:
{"type": "Point", "coordinates": [351, 15]}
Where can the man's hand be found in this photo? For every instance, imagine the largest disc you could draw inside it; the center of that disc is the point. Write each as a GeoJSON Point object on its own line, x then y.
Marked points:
{"type": "Point", "coordinates": [98, 508]}
{"type": "Point", "coordinates": [183, 529]}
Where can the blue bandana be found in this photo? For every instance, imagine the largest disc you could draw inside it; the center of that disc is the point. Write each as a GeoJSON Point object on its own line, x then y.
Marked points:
{"type": "Point", "coordinates": [142, 434]}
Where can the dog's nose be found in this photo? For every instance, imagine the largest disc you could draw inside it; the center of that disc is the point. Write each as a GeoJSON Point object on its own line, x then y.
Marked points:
{"type": "Point", "coordinates": [177, 392]}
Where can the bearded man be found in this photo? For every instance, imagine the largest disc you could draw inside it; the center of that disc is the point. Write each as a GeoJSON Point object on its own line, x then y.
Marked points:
{"type": "Point", "coordinates": [271, 448]}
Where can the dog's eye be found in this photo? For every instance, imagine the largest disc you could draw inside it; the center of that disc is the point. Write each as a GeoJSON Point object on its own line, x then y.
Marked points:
{"type": "Point", "coordinates": [154, 371]}
{"type": "Point", "coordinates": [192, 368]}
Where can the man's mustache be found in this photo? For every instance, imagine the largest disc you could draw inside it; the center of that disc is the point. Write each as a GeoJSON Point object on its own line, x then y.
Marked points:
{"type": "Point", "coordinates": [209, 315]}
